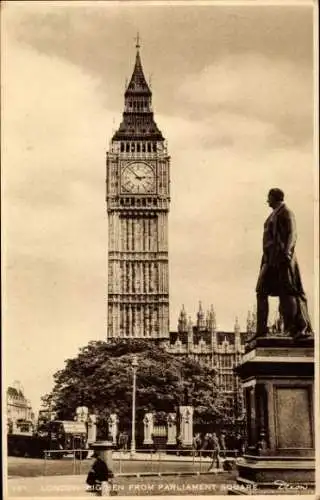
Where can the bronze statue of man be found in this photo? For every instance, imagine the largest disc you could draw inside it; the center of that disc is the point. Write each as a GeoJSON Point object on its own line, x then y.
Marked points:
{"type": "Point", "coordinates": [279, 272]}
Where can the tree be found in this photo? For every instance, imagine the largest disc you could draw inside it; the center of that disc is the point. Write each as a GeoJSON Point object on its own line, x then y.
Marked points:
{"type": "Point", "coordinates": [100, 377]}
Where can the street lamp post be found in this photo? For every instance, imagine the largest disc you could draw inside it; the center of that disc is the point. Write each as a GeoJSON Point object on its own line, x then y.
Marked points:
{"type": "Point", "coordinates": [134, 364]}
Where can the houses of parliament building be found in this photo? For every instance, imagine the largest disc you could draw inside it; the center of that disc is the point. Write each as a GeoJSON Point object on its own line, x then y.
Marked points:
{"type": "Point", "coordinates": [138, 201]}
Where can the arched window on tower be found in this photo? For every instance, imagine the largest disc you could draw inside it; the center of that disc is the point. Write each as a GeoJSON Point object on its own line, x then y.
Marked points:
{"type": "Point", "coordinates": [149, 147]}
{"type": "Point", "coordinates": [122, 147]}
{"type": "Point", "coordinates": [127, 147]}
{"type": "Point", "coordinates": [138, 147]}
{"type": "Point", "coordinates": [143, 147]}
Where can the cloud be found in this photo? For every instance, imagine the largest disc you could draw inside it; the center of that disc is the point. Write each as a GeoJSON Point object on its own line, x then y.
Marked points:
{"type": "Point", "coordinates": [252, 87]}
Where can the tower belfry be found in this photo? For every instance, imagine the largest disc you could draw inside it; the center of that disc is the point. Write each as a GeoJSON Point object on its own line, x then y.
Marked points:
{"type": "Point", "coordinates": [137, 205]}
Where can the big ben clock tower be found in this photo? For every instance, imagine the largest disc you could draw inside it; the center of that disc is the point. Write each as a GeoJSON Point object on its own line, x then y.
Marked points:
{"type": "Point", "coordinates": [138, 205]}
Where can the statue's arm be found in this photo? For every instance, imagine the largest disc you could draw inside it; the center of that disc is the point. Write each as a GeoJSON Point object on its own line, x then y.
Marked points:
{"type": "Point", "coordinates": [291, 232]}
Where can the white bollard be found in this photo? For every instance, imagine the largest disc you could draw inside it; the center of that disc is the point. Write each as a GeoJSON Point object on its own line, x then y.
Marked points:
{"type": "Point", "coordinates": [105, 489]}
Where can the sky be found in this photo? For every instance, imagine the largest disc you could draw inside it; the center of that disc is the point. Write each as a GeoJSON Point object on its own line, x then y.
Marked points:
{"type": "Point", "coordinates": [233, 95]}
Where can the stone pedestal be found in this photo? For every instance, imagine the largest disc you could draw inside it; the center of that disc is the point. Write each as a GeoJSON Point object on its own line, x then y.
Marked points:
{"type": "Point", "coordinates": [104, 449]}
{"type": "Point", "coordinates": [172, 429]}
{"type": "Point", "coordinates": [148, 429]}
{"type": "Point", "coordinates": [92, 429]}
{"type": "Point", "coordinates": [186, 425]}
{"type": "Point", "coordinates": [113, 423]}
{"type": "Point", "coordinates": [277, 375]}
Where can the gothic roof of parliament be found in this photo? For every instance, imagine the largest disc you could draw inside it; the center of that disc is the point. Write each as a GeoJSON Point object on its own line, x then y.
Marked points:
{"type": "Point", "coordinates": [137, 119]}
{"type": "Point", "coordinates": [206, 335]}
{"type": "Point", "coordinates": [205, 328]}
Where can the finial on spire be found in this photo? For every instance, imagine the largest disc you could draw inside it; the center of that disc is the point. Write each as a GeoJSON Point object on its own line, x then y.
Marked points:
{"type": "Point", "coordinates": [137, 39]}
{"type": "Point", "coordinates": [182, 321]}
{"type": "Point", "coordinates": [236, 325]}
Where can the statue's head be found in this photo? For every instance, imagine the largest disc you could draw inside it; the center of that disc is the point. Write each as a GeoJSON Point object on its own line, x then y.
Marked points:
{"type": "Point", "coordinates": [275, 197]}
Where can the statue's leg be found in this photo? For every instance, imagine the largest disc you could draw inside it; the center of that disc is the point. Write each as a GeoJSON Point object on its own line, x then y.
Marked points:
{"type": "Point", "coordinates": [303, 318]}
{"type": "Point", "coordinates": [289, 309]}
{"type": "Point", "coordinates": [262, 314]}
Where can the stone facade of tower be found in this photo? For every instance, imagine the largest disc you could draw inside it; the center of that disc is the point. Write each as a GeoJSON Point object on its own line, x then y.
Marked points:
{"type": "Point", "coordinates": [137, 205]}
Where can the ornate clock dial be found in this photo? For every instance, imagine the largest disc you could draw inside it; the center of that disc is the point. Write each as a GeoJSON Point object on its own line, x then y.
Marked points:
{"type": "Point", "coordinates": [138, 177]}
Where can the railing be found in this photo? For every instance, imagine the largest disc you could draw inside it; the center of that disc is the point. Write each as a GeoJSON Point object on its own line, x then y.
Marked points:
{"type": "Point", "coordinates": [143, 463]}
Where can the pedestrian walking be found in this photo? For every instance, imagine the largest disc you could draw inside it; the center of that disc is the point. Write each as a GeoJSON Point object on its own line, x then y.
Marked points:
{"type": "Point", "coordinates": [239, 442]}
{"type": "Point", "coordinates": [206, 444]}
{"type": "Point", "coordinates": [179, 443]}
{"type": "Point", "coordinates": [215, 447]}
{"type": "Point", "coordinates": [196, 443]}
{"type": "Point", "coordinates": [223, 445]}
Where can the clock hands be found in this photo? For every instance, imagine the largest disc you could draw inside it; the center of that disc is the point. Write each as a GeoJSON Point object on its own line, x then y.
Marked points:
{"type": "Point", "coordinates": [138, 178]}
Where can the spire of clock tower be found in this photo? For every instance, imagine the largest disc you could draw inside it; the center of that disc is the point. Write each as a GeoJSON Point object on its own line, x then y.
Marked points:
{"type": "Point", "coordinates": [138, 84]}
{"type": "Point", "coordinates": [138, 121]}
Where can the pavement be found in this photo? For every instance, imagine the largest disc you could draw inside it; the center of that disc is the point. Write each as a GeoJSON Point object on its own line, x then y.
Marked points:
{"type": "Point", "coordinates": [44, 486]}
{"type": "Point", "coordinates": [75, 485]}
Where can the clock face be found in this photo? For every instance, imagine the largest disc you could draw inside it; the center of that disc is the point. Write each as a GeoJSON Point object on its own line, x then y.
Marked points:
{"type": "Point", "coordinates": [138, 177]}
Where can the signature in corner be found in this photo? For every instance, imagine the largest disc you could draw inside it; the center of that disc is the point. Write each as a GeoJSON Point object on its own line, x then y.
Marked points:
{"type": "Point", "coordinates": [284, 485]}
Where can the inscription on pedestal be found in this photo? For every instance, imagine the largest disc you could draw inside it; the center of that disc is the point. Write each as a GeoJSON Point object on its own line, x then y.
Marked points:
{"type": "Point", "coordinates": [293, 417]}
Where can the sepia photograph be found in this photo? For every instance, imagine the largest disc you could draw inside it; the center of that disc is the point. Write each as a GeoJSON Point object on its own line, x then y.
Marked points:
{"type": "Point", "coordinates": [160, 248]}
